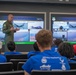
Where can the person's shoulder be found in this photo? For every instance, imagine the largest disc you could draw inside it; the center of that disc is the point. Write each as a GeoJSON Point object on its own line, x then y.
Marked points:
{"type": "Point", "coordinates": [2, 56]}
{"type": "Point", "coordinates": [6, 53]}
{"type": "Point", "coordinates": [5, 22]}
{"type": "Point", "coordinates": [38, 56]}
{"type": "Point", "coordinates": [31, 52]}
{"type": "Point", "coordinates": [63, 57]}
{"type": "Point", "coordinates": [18, 52]}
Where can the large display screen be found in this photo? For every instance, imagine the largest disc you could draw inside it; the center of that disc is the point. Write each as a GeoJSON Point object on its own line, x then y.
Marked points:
{"type": "Point", "coordinates": [28, 23]}
{"type": "Point", "coordinates": [64, 26]}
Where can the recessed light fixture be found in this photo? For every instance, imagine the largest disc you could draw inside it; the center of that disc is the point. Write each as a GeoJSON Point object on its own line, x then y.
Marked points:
{"type": "Point", "coordinates": [60, 0]}
{"type": "Point", "coordinates": [67, 0]}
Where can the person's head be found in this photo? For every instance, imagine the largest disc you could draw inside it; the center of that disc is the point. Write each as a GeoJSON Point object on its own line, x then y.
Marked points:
{"type": "Point", "coordinates": [57, 42]}
{"type": "Point", "coordinates": [11, 46]}
{"type": "Point", "coordinates": [44, 39]}
{"type": "Point", "coordinates": [35, 47]}
{"type": "Point", "coordinates": [66, 49]}
{"type": "Point", "coordinates": [10, 17]}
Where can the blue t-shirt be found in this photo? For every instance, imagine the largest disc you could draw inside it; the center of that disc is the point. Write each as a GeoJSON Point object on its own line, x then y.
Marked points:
{"type": "Point", "coordinates": [32, 53]}
{"type": "Point", "coordinates": [47, 60]}
{"type": "Point", "coordinates": [54, 48]}
{"type": "Point", "coordinates": [2, 59]}
{"type": "Point", "coordinates": [11, 53]}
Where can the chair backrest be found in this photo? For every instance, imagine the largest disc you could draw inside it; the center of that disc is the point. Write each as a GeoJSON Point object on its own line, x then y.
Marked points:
{"type": "Point", "coordinates": [12, 73]}
{"type": "Point", "coordinates": [23, 56]}
{"type": "Point", "coordinates": [15, 62]}
{"type": "Point", "coordinates": [19, 66]}
{"type": "Point", "coordinates": [6, 66]}
{"type": "Point", "coordinates": [72, 65]}
{"type": "Point", "coordinates": [73, 59]}
{"type": "Point", "coordinates": [68, 72]}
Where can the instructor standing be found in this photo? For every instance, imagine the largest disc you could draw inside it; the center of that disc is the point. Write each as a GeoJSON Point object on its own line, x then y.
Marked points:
{"type": "Point", "coordinates": [9, 30]}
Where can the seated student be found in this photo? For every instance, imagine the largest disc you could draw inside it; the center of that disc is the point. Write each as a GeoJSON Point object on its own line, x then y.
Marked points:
{"type": "Point", "coordinates": [56, 44]}
{"type": "Point", "coordinates": [66, 49]}
{"type": "Point", "coordinates": [2, 58]}
{"type": "Point", "coordinates": [37, 51]}
{"type": "Point", "coordinates": [11, 47]}
{"type": "Point", "coordinates": [46, 59]}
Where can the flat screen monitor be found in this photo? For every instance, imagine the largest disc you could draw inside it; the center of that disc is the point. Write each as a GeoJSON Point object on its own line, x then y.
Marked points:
{"type": "Point", "coordinates": [63, 26]}
{"type": "Point", "coordinates": [28, 23]}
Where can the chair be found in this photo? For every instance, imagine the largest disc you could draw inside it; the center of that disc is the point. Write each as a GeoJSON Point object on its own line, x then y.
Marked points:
{"type": "Point", "coordinates": [15, 62]}
{"type": "Point", "coordinates": [72, 65]}
{"type": "Point", "coordinates": [23, 56]}
{"type": "Point", "coordinates": [67, 72]}
{"type": "Point", "coordinates": [12, 73]}
{"type": "Point", "coordinates": [73, 59]}
{"type": "Point", "coordinates": [6, 66]}
{"type": "Point", "coordinates": [19, 66]}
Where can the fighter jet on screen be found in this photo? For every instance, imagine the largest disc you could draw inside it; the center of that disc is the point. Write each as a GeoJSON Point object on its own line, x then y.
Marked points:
{"type": "Point", "coordinates": [38, 27]}
{"type": "Point", "coordinates": [72, 26]}
{"type": "Point", "coordinates": [19, 26]}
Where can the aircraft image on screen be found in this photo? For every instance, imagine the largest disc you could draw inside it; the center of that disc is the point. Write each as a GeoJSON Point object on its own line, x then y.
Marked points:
{"type": "Point", "coordinates": [20, 24]}
{"type": "Point", "coordinates": [72, 25]}
{"type": "Point", "coordinates": [38, 27]}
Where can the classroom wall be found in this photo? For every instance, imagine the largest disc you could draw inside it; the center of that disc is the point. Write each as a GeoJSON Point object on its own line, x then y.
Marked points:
{"type": "Point", "coordinates": [36, 7]}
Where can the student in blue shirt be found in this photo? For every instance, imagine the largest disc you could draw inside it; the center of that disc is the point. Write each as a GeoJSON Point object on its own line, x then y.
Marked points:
{"type": "Point", "coordinates": [66, 49]}
{"type": "Point", "coordinates": [2, 58]}
{"type": "Point", "coordinates": [56, 44]}
{"type": "Point", "coordinates": [11, 47]}
{"type": "Point", "coordinates": [47, 59]}
{"type": "Point", "coordinates": [32, 53]}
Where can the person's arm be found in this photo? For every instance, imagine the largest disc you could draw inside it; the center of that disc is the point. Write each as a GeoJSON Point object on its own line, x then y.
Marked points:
{"type": "Point", "coordinates": [5, 29]}
{"type": "Point", "coordinates": [25, 73]}
{"type": "Point", "coordinates": [17, 29]}
{"type": "Point", "coordinates": [14, 30]}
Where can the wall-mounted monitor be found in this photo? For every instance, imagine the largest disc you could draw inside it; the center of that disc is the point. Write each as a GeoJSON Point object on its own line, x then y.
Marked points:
{"type": "Point", "coordinates": [29, 24]}
{"type": "Point", "coordinates": [63, 26]}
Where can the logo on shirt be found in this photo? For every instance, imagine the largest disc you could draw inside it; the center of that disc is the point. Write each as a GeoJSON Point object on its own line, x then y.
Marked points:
{"type": "Point", "coordinates": [44, 60]}
{"type": "Point", "coordinates": [45, 67]}
{"type": "Point", "coordinates": [63, 64]}
{"type": "Point", "coordinates": [56, 49]}
{"type": "Point", "coordinates": [63, 67]}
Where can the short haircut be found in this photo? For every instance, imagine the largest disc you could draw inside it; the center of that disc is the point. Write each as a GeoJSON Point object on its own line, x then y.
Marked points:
{"type": "Point", "coordinates": [35, 47]}
{"type": "Point", "coordinates": [57, 42]}
{"type": "Point", "coordinates": [11, 46]}
{"type": "Point", "coordinates": [66, 49]}
{"type": "Point", "coordinates": [44, 38]}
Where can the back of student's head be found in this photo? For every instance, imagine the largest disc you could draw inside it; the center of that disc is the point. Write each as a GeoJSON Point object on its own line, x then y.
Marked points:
{"type": "Point", "coordinates": [44, 38]}
{"type": "Point", "coordinates": [66, 49]}
{"type": "Point", "coordinates": [57, 42]}
{"type": "Point", "coordinates": [11, 46]}
{"type": "Point", "coordinates": [35, 47]}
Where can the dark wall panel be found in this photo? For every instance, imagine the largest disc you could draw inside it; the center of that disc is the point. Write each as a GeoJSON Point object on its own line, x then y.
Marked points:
{"type": "Point", "coordinates": [44, 1]}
